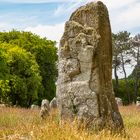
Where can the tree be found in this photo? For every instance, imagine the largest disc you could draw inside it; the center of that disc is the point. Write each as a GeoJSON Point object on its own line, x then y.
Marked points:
{"type": "Point", "coordinates": [45, 54]}
{"type": "Point", "coordinates": [136, 56]}
{"type": "Point", "coordinates": [23, 81]}
{"type": "Point", "coordinates": [122, 49]}
{"type": "Point", "coordinates": [4, 74]}
{"type": "Point", "coordinates": [116, 61]}
{"type": "Point", "coordinates": [3, 66]}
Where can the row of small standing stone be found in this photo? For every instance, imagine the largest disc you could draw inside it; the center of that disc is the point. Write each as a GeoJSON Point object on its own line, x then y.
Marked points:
{"type": "Point", "coordinates": [120, 102]}
{"type": "Point", "coordinates": [46, 106]}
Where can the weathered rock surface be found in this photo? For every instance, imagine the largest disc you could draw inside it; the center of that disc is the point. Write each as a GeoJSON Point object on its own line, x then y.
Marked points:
{"type": "Point", "coordinates": [84, 86]}
{"type": "Point", "coordinates": [119, 101]}
{"type": "Point", "coordinates": [53, 103]}
{"type": "Point", "coordinates": [45, 108]}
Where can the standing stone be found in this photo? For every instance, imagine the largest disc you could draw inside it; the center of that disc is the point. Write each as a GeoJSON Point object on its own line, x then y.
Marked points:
{"type": "Point", "coordinates": [2, 105]}
{"type": "Point", "coordinates": [34, 107]}
{"type": "Point", "coordinates": [53, 103]}
{"type": "Point", "coordinates": [119, 101]}
{"type": "Point", "coordinates": [84, 86]}
{"type": "Point", "coordinates": [138, 103]}
{"type": "Point", "coordinates": [44, 112]}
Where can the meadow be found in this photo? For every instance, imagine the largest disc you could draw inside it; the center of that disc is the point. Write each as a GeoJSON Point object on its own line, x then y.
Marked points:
{"type": "Point", "coordinates": [25, 124]}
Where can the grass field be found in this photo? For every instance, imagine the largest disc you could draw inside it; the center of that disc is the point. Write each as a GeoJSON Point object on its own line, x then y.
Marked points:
{"type": "Point", "coordinates": [25, 124]}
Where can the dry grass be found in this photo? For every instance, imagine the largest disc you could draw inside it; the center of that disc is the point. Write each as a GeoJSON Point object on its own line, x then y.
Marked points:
{"type": "Point", "coordinates": [23, 124]}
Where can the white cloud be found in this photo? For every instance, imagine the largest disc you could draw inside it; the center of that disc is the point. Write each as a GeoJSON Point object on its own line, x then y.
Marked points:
{"type": "Point", "coordinates": [52, 32]}
{"type": "Point", "coordinates": [130, 18]}
{"type": "Point", "coordinates": [66, 8]}
{"type": "Point", "coordinates": [124, 15]}
{"type": "Point", "coordinates": [117, 4]}
{"type": "Point", "coordinates": [70, 7]}
{"type": "Point", "coordinates": [2, 25]}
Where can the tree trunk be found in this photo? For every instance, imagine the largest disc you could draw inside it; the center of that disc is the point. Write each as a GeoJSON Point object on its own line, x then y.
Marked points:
{"type": "Point", "coordinates": [126, 81]}
{"type": "Point", "coordinates": [116, 77]}
{"type": "Point", "coordinates": [135, 86]}
{"type": "Point", "coordinates": [136, 76]}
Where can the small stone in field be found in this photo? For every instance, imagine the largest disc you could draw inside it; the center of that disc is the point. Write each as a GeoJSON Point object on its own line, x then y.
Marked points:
{"type": "Point", "coordinates": [53, 103]}
{"type": "Point", "coordinates": [2, 105]}
{"type": "Point", "coordinates": [34, 107]}
{"type": "Point", "coordinates": [138, 103]}
{"type": "Point", "coordinates": [119, 101]}
{"type": "Point", "coordinates": [44, 112]}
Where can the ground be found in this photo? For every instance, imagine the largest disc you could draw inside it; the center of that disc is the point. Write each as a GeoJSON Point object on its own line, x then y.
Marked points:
{"type": "Point", "coordinates": [25, 124]}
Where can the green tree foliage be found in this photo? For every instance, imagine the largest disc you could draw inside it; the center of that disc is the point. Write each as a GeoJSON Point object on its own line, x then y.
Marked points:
{"type": "Point", "coordinates": [122, 92]}
{"type": "Point", "coordinates": [28, 55]}
{"type": "Point", "coordinates": [3, 66]}
{"type": "Point", "coordinates": [4, 91]}
{"type": "Point", "coordinates": [23, 81]}
{"type": "Point", "coordinates": [4, 75]}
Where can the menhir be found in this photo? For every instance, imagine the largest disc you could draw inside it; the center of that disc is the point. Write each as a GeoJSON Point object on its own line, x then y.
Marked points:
{"type": "Point", "coordinates": [84, 86]}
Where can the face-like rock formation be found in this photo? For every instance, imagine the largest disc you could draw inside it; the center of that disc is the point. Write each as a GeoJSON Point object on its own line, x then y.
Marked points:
{"type": "Point", "coordinates": [84, 86]}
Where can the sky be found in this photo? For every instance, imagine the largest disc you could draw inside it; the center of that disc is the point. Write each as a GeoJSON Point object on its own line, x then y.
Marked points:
{"type": "Point", "coordinates": [47, 17]}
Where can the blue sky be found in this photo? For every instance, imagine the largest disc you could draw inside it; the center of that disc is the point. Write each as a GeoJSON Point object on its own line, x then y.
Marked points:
{"type": "Point", "coordinates": [47, 17]}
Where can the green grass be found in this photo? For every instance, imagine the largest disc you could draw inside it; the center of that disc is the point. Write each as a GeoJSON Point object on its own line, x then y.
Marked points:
{"type": "Point", "coordinates": [17, 124]}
